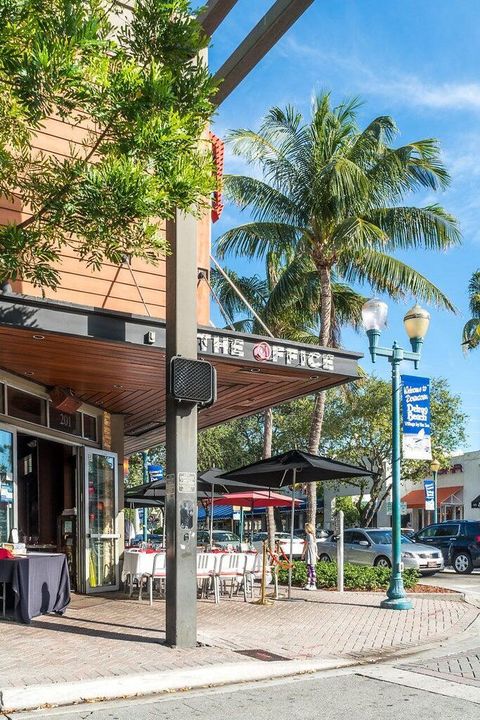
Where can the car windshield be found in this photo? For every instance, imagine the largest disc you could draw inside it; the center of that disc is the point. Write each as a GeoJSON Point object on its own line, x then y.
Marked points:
{"type": "Point", "coordinates": [384, 537]}
{"type": "Point", "coordinates": [225, 537]}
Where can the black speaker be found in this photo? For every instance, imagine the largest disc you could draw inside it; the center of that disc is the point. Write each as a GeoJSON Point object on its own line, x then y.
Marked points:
{"type": "Point", "coordinates": [193, 381]}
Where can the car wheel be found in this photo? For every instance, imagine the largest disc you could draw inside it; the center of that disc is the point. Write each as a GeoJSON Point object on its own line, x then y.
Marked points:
{"type": "Point", "coordinates": [382, 562]}
{"type": "Point", "coordinates": [324, 558]}
{"type": "Point", "coordinates": [462, 563]}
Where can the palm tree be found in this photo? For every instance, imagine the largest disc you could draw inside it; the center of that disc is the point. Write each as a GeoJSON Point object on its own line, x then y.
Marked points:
{"type": "Point", "coordinates": [295, 320]}
{"type": "Point", "coordinates": [471, 330]}
{"type": "Point", "coordinates": [332, 201]}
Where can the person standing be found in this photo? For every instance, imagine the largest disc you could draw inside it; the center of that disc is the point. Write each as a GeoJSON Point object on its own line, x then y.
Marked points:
{"type": "Point", "coordinates": [310, 554]}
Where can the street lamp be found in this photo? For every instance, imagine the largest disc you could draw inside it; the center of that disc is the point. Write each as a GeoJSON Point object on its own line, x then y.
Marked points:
{"type": "Point", "coordinates": [416, 321]}
{"type": "Point", "coordinates": [435, 467]}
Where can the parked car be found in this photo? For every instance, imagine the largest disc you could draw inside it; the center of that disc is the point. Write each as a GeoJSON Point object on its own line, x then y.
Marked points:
{"type": "Point", "coordinates": [374, 547]}
{"type": "Point", "coordinates": [152, 539]}
{"type": "Point", "coordinates": [221, 539]}
{"type": "Point", "coordinates": [284, 540]}
{"type": "Point", "coordinates": [459, 541]}
{"type": "Point", "coordinates": [322, 534]}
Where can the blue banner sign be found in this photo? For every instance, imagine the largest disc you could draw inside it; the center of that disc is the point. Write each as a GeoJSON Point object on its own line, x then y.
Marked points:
{"type": "Point", "coordinates": [155, 472]}
{"type": "Point", "coordinates": [416, 443]}
{"type": "Point", "coordinates": [429, 487]}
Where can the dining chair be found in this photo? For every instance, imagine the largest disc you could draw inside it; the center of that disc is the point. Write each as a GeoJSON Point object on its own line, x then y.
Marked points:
{"type": "Point", "coordinates": [206, 566]}
{"type": "Point", "coordinates": [159, 572]}
{"type": "Point", "coordinates": [231, 567]}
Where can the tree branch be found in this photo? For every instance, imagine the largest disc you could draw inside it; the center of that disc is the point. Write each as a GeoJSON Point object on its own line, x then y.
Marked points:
{"type": "Point", "coordinates": [58, 195]}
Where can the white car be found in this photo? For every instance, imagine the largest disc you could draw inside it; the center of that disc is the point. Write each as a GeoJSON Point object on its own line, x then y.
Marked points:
{"type": "Point", "coordinates": [284, 539]}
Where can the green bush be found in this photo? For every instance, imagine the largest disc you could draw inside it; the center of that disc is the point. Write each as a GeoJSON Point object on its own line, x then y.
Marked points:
{"type": "Point", "coordinates": [356, 577]}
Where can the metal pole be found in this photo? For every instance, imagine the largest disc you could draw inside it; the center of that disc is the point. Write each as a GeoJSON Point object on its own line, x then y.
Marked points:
{"type": "Point", "coordinates": [340, 550]}
{"type": "Point", "coordinates": [435, 473]}
{"type": "Point", "coordinates": [181, 436]}
{"type": "Point", "coordinates": [211, 517]}
{"type": "Point", "coordinates": [396, 597]}
{"type": "Point", "coordinates": [292, 520]}
{"type": "Point", "coordinates": [145, 480]}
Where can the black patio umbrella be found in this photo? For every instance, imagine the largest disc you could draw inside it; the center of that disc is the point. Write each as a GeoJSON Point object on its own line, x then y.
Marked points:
{"type": "Point", "coordinates": [209, 485]}
{"type": "Point", "coordinates": [289, 468]}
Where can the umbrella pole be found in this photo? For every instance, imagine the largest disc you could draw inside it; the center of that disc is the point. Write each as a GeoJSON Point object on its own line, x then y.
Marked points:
{"type": "Point", "coordinates": [292, 520]}
{"type": "Point", "coordinates": [211, 516]}
{"type": "Point", "coordinates": [263, 593]}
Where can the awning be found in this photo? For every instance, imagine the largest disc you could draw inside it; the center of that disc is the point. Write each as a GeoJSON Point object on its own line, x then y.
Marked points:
{"type": "Point", "coordinates": [116, 361]}
{"type": "Point", "coordinates": [416, 498]}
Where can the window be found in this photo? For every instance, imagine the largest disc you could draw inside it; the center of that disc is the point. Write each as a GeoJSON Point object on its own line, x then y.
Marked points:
{"type": "Point", "coordinates": [66, 422]}
{"type": "Point", "coordinates": [6, 484]}
{"type": "Point", "coordinates": [2, 398]}
{"type": "Point", "coordinates": [357, 537]}
{"type": "Point", "coordinates": [25, 406]}
{"type": "Point", "coordinates": [447, 530]}
{"type": "Point", "coordinates": [90, 427]}
{"type": "Point", "coordinates": [347, 536]}
{"type": "Point", "coordinates": [428, 532]}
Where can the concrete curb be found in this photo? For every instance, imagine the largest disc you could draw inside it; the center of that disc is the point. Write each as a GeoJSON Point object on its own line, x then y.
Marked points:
{"type": "Point", "coordinates": [71, 693]}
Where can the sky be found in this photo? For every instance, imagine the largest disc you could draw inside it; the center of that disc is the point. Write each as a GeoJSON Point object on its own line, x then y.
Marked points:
{"type": "Point", "coordinates": [419, 63]}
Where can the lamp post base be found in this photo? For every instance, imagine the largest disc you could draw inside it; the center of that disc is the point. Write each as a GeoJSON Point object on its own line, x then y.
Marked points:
{"type": "Point", "coordinates": [402, 603]}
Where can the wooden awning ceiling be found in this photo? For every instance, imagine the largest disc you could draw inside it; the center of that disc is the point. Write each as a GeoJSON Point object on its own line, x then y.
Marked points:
{"type": "Point", "coordinates": [104, 357]}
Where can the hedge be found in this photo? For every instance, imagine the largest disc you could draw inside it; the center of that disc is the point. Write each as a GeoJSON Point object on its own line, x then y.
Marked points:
{"type": "Point", "coordinates": [356, 577]}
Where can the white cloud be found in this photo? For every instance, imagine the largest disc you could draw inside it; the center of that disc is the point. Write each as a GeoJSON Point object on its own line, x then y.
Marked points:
{"type": "Point", "coordinates": [398, 87]}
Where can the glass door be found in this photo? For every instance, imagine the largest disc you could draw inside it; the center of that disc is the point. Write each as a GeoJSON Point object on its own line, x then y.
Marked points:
{"type": "Point", "coordinates": [7, 485]}
{"type": "Point", "coordinates": [100, 507]}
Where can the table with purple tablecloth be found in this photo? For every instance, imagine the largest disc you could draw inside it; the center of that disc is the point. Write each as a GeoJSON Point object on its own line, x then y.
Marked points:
{"type": "Point", "coordinates": [40, 584]}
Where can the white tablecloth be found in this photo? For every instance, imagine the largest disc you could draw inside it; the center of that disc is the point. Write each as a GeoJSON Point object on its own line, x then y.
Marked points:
{"type": "Point", "coordinates": [137, 563]}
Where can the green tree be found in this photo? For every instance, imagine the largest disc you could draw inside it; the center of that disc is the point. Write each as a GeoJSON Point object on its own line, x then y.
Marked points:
{"type": "Point", "coordinates": [358, 428]}
{"type": "Point", "coordinates": [351, 513]}
{"type": "Point", "coordinates": [336, 196]}
{"type": "Point", "coordinates": [471, 330]}
{"type": "Point", "coordinates": [145, 94]}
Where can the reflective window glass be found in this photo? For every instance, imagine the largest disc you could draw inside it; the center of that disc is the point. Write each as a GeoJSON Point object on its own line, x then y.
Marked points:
{"type": "Point", "coordinates": [25, 406]}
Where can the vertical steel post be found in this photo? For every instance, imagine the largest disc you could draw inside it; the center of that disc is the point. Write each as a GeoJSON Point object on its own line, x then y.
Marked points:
{"type": "Point", "coordinates": [145, 480]}
{"type": "Point", "coordinates": [292, 523]}
{"type": "Point", "coordinates": [396, 596]}
{"type": "Point", "coordinates": [340, 551]}
{"type": "Point", "coordinates": [181, 436]}
{"type": "Point", "coordinates": [435, 514]}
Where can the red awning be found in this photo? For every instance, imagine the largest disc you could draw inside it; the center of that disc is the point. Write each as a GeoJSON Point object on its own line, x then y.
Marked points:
{"type": "Point", "coordinates": [416, 498]}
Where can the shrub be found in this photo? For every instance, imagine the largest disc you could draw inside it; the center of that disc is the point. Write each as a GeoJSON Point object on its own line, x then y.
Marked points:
{"type": "Point", "coordinates": [356, 577]}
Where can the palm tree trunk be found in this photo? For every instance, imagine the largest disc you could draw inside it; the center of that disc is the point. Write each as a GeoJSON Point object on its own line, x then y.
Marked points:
{"type": "Point", "coordinates": [267, 452]}
{"type": "Point", "coordinates": [319, 407]}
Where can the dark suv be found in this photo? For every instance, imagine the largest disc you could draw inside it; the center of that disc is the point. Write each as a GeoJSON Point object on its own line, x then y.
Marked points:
{"type": "Point", "coordinates": [459, 541]}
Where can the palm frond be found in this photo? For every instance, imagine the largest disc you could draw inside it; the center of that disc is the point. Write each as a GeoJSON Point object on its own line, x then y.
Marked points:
{"type": "Point", "coordinates": [471, 334]}
{"type": "Point", "coordinates": [430, 227]}
{"type": "Point", "coordinates": [264, 201]}
{"type": "Point", "coordinates": [386, 274]}
{"type": "Point", "coordinates": [257, 239]}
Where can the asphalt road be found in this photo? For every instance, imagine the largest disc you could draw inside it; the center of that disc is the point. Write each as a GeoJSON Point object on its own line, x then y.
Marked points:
{"type": "Point", "coordinates": [453, 581]}
{"type": "Point", "coordinates": [322, 697]}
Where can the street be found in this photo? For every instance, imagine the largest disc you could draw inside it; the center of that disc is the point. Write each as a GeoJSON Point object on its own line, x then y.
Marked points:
{"type": "Point", "coordinates": [453, 581]}
{"type": "Point", "coordinates": [330, 695]}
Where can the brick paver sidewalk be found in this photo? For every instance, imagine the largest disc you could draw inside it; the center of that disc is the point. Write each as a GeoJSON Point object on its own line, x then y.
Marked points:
{"type": "Point", "coordinates": [113, 636]}
{"type": "Point", "coordinates": [460, 668]}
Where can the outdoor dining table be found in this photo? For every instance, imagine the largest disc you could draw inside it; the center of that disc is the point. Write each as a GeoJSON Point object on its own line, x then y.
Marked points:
{"type": "Point", "coordinates": [40, 583]}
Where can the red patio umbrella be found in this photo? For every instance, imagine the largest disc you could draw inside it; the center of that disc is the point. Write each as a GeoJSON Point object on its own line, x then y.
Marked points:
{"type": "Point", "coordinates": [255, 499]}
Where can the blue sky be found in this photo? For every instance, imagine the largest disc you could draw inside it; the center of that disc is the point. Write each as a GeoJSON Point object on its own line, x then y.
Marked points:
{"type": "Point", "coordinates": [416, 61]}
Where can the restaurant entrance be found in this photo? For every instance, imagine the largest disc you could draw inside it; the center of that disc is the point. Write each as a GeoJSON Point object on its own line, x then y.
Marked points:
{"type": "Point", "coordinates": [61, 497]}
